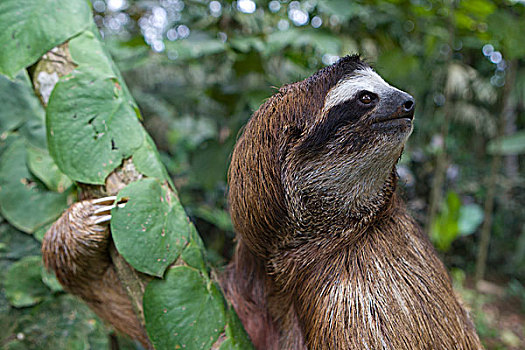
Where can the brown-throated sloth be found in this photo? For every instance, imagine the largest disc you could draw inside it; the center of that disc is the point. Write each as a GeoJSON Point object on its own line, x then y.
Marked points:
{"type": "Point", "coordinates": [327, 255]}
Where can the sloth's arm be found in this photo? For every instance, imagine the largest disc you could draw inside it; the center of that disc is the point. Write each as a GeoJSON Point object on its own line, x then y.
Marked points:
{"type": "Point", "coordinates": [76, 248]}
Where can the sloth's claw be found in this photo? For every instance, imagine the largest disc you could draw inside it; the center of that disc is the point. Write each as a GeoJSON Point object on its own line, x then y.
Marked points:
{"type": "Point", "coordinates": [102, 209]}
{"type": "Point", "coordinates": [102, 219]}
{"type": "Point", "coordinates": [104, 200]}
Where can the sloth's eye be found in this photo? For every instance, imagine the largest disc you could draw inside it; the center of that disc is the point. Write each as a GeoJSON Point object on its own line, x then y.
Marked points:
{"type": "Point", "coordinates": [367, 97]}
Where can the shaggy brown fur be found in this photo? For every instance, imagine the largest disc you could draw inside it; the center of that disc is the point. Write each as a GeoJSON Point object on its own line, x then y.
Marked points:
{"type": "Point", "coordinates": [77, 250]}
{"type": "Point", "coordinates": [327, 256]}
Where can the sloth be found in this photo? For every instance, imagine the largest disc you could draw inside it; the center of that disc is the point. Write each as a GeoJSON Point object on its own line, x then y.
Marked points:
{"type": "Point", "coordinates": [327, 256]}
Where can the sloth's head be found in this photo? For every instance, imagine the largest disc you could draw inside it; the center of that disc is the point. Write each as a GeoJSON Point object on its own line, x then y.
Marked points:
{"type": "Point", "coordinates": [320, 150]}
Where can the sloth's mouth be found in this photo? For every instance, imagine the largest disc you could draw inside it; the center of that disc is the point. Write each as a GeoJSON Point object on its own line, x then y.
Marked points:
{"type": "Point", "coordinates": [394, 121]}
{"type": "Point", "coordinates": [398, 117]}
{"type": "Point", "coordinates": [394, 124]}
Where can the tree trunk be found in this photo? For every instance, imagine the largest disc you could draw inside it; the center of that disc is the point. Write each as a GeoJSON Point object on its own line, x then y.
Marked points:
{"type": "Point", "coordinates": [47, 71]}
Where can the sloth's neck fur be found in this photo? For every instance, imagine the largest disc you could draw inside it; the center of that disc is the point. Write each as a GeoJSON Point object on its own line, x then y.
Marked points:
{"type": "Point", "coordinates": [377, 284]}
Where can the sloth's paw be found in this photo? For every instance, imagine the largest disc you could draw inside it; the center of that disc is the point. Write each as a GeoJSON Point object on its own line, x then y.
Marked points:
{"type": "Point", "coordinates": [76, 245]}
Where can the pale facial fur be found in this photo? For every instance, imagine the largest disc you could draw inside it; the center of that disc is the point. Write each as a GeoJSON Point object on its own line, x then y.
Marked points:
{"type": "Point", "coordinates": [363, 79]}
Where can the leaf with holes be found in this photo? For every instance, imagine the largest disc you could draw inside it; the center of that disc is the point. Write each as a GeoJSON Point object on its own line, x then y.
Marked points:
{"type": "Point", "coordinates": [29, 28]}
{"type": "Point", "coordinates": [185, 310]}
{"type": "Point", "coordinates": [91, 127]}
{"type": "Point", "coordinates": [151, 230]}
{"type": "Point", "coordinates": [24, 201]}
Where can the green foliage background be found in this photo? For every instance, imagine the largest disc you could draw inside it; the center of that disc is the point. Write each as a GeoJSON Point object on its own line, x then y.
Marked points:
{"type": "Point", "coordinates": [198, 69]}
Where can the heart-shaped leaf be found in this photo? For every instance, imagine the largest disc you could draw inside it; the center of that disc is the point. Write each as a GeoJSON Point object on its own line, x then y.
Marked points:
{"type": "Point", "coordinates": [91, 127]}
{"type": "Point", "coordinates": [151, 230]}
{"type": "Point", "coordinates": [183, 311]}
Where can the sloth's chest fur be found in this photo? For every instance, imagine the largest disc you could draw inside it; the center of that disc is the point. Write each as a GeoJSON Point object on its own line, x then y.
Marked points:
{"type": "Point", "coordinates": [389, 290]}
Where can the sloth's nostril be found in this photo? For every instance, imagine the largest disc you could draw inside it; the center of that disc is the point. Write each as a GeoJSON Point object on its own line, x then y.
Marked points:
{"type": "Point", "coordinates": [408, 105]}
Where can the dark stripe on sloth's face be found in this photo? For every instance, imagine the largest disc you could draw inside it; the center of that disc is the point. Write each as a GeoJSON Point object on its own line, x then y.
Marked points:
{"type": "Point", "coordinates": [346, 113]}
{"type": "Point", "coordinates": [344, 108]}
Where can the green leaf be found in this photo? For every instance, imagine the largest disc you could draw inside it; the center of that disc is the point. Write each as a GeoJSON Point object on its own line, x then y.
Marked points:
{"type": "Point", "coordinates": [445, 228]}
{"type": "Point", "coordinates": [18, 102]}
{"type": "Point", "coordinates": [193, 254]}
{"type": "Point", "coordinates": [237, 338]}
{"type": "Point", "coordinates": [342, 8]}
{"type": "Point", "coordinates": [29, 28]}
{"type": "Point", "coordinates": [210, 165]}
{"type": "Point", "coordinates": [151, 230]}
{"type": "Point", "coordinates": [50, 280]}
{"type": "Point", "coordinates": [246, 43]}
{"type": "Point", "coordinates": [24, 201]}
{"type": "Point", "coordinates": [470, 217]}
{"type": "Point", "coordinates": [15, 245]}
{"type": "Point", "coordinates": [41, 231]}
{"type": "Point", "coordinates": [8, 314]}
{"type": "Point", "coordinates": [185, 310]}
{"type": "Point", "coordinates": [509, 29]}
{"type": "Point", "coordinates": [478, 8]}
{"type": "Point", "coordinates": [195, 46]}
{"type": "Point", "coordinates": [508, 145]}
{"type": "Point", "coordinates": [42, 166]}
{"type": "Point", "coordinates": [34, 129]}
{"type": "Point", "coordinates": [91, 127]}
{"type": "Point", "coordinates": [6, 142]}
{"type": "Point", "coordinates": [453, 205]}
{"type": "Point", "coordinates": [90, 55]}
{"type": "Point", "coordinates": [397, 66]}
{"type": "Point", "coordinates": [23, 282]}
{"type": "Point", "coordinates": [219, 217]}
{"type": "Point", "coordinates": [147, 161]}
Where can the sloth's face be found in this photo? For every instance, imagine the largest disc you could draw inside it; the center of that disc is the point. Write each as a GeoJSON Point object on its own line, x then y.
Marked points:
{"type": "Point", "coordinates": [365, 98]}
{"type": "Point", "coordinates": [352, 145]}
{"type": "Point", "coordinates": [360, 111]}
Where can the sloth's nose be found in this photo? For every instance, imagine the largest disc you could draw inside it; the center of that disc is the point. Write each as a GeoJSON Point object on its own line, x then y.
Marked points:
{"type": "Point", "coordinates": [397, 104]}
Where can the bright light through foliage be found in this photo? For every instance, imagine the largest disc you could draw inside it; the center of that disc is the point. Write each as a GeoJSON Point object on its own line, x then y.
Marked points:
{"type": "Point", "coordinates": [116, 5]}
{"type": "Point", "coordinates": [246, 6]}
